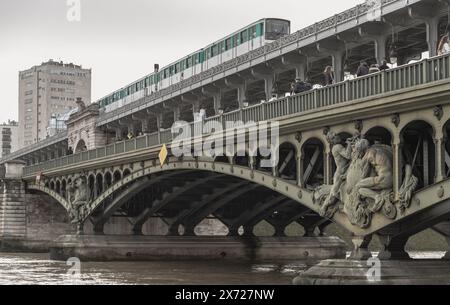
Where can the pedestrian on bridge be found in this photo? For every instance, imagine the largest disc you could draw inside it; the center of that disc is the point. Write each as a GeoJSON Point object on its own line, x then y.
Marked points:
{"type": "Point", "coordinates": [444, 45]}
{"type": "Point", "coordinates": [363, 69]}
{"type": "Point", "coordinates": [384, 66]}
{"type": "Point", "coordinates": [374, 69]}
{"type": "Point", "coordinates": [328, 75]}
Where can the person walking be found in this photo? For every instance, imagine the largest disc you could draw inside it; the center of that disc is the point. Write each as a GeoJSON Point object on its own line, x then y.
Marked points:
{"type": "Point", "coordinates": [363, 69]}
{"type": "Point", "coordinates": [328, 75]}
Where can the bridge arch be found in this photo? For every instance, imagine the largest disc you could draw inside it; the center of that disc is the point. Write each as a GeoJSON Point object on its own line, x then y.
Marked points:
{"type": "Point", "coordinates": [287, 163]}
{"type": "Point", "coordinates": [108, 179]}
{"type": "Point", "coordinates": [139, 179]}
{"type": "Point", "coordinates": [80, 146]}
{"type": "Point", "coordinates": [100, 185]}
{"type": "Point", "coordinates": [312, 163]}
{"type": "Point", "coordinates": [117, 176]}
{"type": "Point", "coordinates": [379, 134]}
{"type": "Point", "coordinates": [446, 144]}
{"type": "Point", "coordinates": [418, 150]}
{"type": "Point", "coordinates": [58, 186]}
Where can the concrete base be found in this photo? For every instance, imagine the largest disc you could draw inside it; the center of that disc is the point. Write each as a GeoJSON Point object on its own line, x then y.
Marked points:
{"type": "Point", "coordinates": [23, 245]}
{"type": "Point", "coordinates": [113, 248]}
{"type": "Point", "coordinates": [349, 272]}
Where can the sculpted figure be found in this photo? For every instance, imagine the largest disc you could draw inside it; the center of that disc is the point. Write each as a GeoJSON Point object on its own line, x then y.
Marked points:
{"type": "Point", "coordinates": [378, 168]}
{"type": "Point", "coordinates": [342, 156]}
{"type": "Point", "coordinates": [409, 185]}
{"type": "Point", "coordinates": [78, 195]}
{"type": "Point", "coordinates": [363, 182]}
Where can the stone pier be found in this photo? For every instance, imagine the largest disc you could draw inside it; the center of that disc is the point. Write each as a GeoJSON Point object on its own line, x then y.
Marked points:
{"type": "Point", "coordinates": [138, 248]}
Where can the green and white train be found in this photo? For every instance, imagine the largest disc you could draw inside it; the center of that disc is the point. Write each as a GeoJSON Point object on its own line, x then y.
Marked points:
{"type": "Point", "coordinates": [238, 43]}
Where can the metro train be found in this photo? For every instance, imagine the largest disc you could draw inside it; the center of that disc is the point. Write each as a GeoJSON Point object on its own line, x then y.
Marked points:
{"type": "Point", "coordinates": [236, 44]}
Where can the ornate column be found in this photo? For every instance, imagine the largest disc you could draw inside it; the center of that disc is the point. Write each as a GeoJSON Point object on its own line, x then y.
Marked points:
{"type": "Point", "coordinates": [432, 25]}
{"type": "Point", "coordinates": [439, 144]}
{"type": "Point", "coordinates": [328, 167]}
{"type": "Point", "coordinates": [397, 148]}
{"type": "Point", "coordinates": [300, 169]}
{"type": "Point", "coordinates": [268, 86]}
{"type": "Point", "coordinates": [338, 66]}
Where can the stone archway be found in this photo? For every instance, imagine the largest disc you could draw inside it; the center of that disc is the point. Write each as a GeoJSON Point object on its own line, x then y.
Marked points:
{"type": "Point", "coordinates": [81, 146]}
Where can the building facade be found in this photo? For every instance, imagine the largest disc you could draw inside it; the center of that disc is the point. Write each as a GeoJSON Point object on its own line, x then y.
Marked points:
{"type": "Point", "coordinates": [9, 140]}
{"type": "Point", "coordinates": [47, 91]}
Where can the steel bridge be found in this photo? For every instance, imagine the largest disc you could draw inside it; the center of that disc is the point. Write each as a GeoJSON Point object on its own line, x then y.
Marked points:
{"type": "Point", "coordinates": [405, 108]}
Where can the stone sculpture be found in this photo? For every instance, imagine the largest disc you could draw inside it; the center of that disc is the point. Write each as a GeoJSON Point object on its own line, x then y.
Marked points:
{"type": "Point", "coordinates": [78, 197]}
{"type": "Point", "coordinates": [363, 182]}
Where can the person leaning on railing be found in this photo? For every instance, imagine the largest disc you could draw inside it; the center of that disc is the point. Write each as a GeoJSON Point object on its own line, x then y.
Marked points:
{"type": "Point", "coordinates": [444, 45]}
{"type": "Point", "coordinates": [328, 76]}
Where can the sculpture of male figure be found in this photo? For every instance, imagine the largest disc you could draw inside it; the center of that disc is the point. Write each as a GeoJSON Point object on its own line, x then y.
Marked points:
{"type": "Point", "coordinates": [78, 197]}
{"type": "Point", "coordinates": [377, 160]}
{"type": "Point", "coordinates": [342, 156]}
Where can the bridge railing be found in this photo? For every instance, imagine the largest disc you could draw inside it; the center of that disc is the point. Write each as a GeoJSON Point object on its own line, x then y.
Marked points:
{"type": "Point", "coordinates": [418, 73]}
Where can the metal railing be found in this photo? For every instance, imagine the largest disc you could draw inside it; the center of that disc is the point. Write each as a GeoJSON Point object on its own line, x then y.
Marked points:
{"type": "Point", "coordinates": [407, 76]}
{"type": "Point", "coordinates": [59, 137]}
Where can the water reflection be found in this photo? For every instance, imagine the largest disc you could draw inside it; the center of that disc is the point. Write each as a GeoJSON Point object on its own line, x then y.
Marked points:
{"type": "Point", "coordinates": [32, 269]}
{"type": "Point", "coordinates": [22, 269]}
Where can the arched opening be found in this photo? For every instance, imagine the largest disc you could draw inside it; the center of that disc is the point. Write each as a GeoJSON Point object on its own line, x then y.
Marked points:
{"type": "Point", "coordinates": [58, 187]}
{"type": "Point", "coordinates": [211, 226]}
{"type": "Point", "coordinates": [117, 176]}
{"type": "Point", "coordinates": [313, 170]}
{"type": "Point", "coordinates": [419, 151]}
{"type": "Point", "coordinates": [263, 229]}
{"type": "Point", "coordinates": [222, 159]}
{"type": "Point", "coordinates": [52, 185]}
{"type": "Point", "coordinates": [63, 188]}
{"type": "Point", "coordinates": [379, 135]}
{"type": "Point", "coordinates": [260, 165]}
{"type": "Point", "coordinates": [126, 172]}
{"type": "Point", "coordinates": [92, 186]}
{"type": "Point", "coordinates": [242, 159]}
{"type": "Point", "coordinates": [108, 179]}
{"type": "Point", "coordinates": [99, 179]}
{"type": "Point", "coordinates": [81, 146]}
{"type": "Point", "coordinates": [287, 165]}
{"type": "Point", "coordinates": [447, 149]}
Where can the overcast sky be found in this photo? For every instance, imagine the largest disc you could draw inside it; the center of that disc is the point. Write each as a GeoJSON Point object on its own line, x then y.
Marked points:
{"type": "Point", "coordinates": [121, 40]}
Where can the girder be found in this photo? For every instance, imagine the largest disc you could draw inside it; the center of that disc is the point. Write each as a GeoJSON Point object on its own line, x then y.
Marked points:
{"type": "Point", "coordinates": [197, 217]}
{"type": "Point", "coordinates": [139, 221]}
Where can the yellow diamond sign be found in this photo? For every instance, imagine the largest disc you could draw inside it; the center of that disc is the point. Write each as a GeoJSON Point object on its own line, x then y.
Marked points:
{"type": "Point", "coordinates": [163, 154]}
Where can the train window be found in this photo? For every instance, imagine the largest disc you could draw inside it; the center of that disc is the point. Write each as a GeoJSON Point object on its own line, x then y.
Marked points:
{"type": "Point", "coordinates": [201, 57]}
{"type": "Point", "coordinates": [276, 29]}
{"type": "Point", "coordinates": [188, 62]}
{"type": "Point", "coordinates": [252, 32]}
{"type": "Point", "coordinates": [214, 50]}
{"type": "Point", "coordinates": [237, 40]}
{"type": "Point", "coordinates": [244, 36]}
{"type": "Point", "coordinates": [259, 30]}
{"type": "Point", "coordinates": [228, 44]}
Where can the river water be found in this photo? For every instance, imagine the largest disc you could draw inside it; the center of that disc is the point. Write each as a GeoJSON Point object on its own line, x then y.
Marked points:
{"type": "Point", "coordinates": [31, 269]}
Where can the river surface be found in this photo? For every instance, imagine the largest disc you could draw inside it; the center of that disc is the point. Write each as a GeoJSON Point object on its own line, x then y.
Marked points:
{"type": "Point", "coordinates": [32, 269]}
